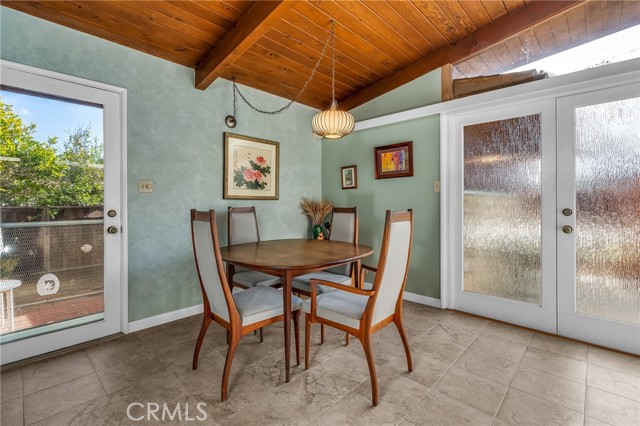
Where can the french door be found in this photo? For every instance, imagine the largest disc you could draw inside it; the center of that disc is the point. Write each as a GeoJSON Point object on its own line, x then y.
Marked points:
{"type": "Point", "coordinates": [549, 215]}
{"type": "Point", "coordinates": [61, 246]}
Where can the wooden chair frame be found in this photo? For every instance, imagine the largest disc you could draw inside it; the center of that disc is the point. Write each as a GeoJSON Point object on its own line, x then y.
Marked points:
{"type": "Point", "coordinates": [365, 330]}
{"type": "Point", "coordinates": [234, 327]}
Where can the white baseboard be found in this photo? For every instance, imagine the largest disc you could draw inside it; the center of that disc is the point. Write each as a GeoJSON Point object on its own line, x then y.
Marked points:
{"type": "Point", "coordinates": [164, 318]}
{"type": "Point", "coordinates": [423, 300]}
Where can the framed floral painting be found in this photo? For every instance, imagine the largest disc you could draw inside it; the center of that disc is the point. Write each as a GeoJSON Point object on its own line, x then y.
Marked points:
{"type": "Point", "coordinates": [394, 160]}
{"type": "Point", "coordinates": [349, 177]}
{"type": "Point", "coordinates": [250, 168]}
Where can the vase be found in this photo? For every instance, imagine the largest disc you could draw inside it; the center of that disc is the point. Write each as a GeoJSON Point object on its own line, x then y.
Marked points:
{"type": "Point", "coordinates": [317, 231]}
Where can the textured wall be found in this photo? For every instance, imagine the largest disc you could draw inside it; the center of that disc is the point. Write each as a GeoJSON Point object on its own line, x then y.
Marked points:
{"type": "Point", "coordinates": [373, 197]}
{"type": "Point", "coordinates": [175, 138]}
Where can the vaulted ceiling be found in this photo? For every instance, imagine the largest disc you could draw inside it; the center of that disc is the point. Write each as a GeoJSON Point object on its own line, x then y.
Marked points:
{"type": "Point", "coordinates": [380, 45]}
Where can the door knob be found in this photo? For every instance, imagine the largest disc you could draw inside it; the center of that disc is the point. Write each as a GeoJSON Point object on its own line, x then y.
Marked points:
{"type": "Point", "coordinates": [112, 230]}
{"type": "Point", "coordinates": [567, 229]}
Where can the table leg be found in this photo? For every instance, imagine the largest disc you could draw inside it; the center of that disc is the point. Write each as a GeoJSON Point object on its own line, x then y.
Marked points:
{"type": "Point", "coordinates": [286, 294]}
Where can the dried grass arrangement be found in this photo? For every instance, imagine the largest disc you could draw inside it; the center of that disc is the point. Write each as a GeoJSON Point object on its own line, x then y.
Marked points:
{"type": "Point", "coordinates": [316, 210]}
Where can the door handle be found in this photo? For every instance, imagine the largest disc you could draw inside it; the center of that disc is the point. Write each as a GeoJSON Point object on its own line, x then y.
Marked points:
{"type": "Point", "coordinates": [112, 230]}
{"type": "Point", "coordinates": [567, 229]}
{"type": "Point", "coordinates": [567, 212]}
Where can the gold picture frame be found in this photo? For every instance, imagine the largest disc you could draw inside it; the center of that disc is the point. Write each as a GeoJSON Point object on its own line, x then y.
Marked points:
{"type": "Point", "coordinates": [251, 168]}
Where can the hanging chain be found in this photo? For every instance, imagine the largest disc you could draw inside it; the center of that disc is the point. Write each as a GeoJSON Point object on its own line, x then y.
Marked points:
{"type": "Point", "coordinates": [333, 64]}
{"type": "Point", "coordinates": [236, 89]}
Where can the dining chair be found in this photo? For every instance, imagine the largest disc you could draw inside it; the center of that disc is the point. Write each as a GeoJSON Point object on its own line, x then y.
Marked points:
{"type": "Point", "coordinates": [344, 227]}
{"type": "Point", "coordinates": [363, 311]}
{"type": "Point", "coordinates": [243, 228]}
{"type": "Point", "coordinates": [239, 313]}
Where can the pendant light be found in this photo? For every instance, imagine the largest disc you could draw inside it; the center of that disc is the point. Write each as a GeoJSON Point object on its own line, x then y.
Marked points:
{"type": "Point", "coordinates": [333, 123]}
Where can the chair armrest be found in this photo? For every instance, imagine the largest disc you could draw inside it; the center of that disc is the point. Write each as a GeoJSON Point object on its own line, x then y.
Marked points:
{"type": "Point", "coordinates": [363, 269]}
{"type": "Point", "coordinates": [313, 283]}
{"type": "Point", "coordinates": [369, 268]}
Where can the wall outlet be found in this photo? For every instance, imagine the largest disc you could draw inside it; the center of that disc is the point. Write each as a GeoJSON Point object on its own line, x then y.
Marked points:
{"type": "Point", "coordinates": [436, 186]}
{"type": "Point", "coordinates": [145, 185]}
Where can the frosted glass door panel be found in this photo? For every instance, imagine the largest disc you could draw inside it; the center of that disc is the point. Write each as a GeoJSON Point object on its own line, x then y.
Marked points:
{"type": "Point", "coordinates": [607, 149]}
{"type": "Point", "coordinates": [502, 208]}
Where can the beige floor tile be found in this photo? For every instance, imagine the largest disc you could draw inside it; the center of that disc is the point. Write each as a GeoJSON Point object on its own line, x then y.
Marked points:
{"type": "Point", "coordinates": [250, 350]}
{"type": "Point", "coordinates": [498, 422]}
{"type": "Point", "coordinates": [59, 398]}
{"type": "Point", "coordinates": [491, 367]}
{"type": "Point", "coordinates": [614, 381]}
{"type": "Point", "coordinates": [11, 412]}
{"type": "Point", "coordinates": [313, 392]}
{"type": "Point", "coordinates": [271, 371]}
{"type": "Point", "coordinates": [590, 421]}
{"type": "Point", "coordinates": [468, 322]}
{"type": "Point", "coordinates": [179, 355]}
{"type": "Point", "coordinates": [272, 412]}
{"type": "Point", "coordinates": [54, 371]}
{"type": "Point", "coordinates": [347, 366]}
{"type": "Point", "coordinates": [356, 410]}
{"type": "Point", "coordinates": [520, 408]}
{"type": "Point", "coordinates": [552, 388]}
{"type": "Point", "coordinates": [498, 346]}
{"type": "Point", "coordinates": [569, 368]}
{"type": "Point", "coordinates": [395, 389]}
{"type": "Point", "coordinates": [383, 351]}
{"type": "Point", "coordinates": [612, 409]}
{"type": "Point", "coordinates": [476, 391]}
{"type": "Point", "coordinates": [426, 370]}
{"type": "Point", "coordinates": [209, 371]}
{"type": "Point", "coordinates": [97, 412]}
{"type": "Point", "coordinates": [439, 410]}
{"type": "Point", "coordinates": [11, 384]}
{"type": "Point", "coordinates": [120, 376]}
{"type": "Point", "coordinates": [442, 350]}
{"type": "Point", "coordinates": [452, 334]}
{"type": "Point", "coordinates": [559, 346]}
{"type": "Point", "coordinates": [421, 310]}
{"type": "Point", "coordinates": [515, 334]}
{"type": "Point", "coordinates": [116, 351]}
{"type": "Point", "coordinates": [391, 335]}
{"type": "Point", "coordinates": [627, 364]}
{"type": "Point", "coordinates": [167, 337]}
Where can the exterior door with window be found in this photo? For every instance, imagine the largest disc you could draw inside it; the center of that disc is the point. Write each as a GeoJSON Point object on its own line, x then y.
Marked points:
{"type": "Point", "coordinates": [61, 211]}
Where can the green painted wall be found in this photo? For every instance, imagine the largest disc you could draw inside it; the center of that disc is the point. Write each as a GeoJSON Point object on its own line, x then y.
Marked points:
{"type": "Point", "coordinates": [373, 197]}
{"type": "Point", "coordinates": [175, 137]}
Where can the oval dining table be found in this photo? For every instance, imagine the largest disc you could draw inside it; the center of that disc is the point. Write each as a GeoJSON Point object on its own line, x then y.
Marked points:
{"type": "Point", "coordinates": [289, 259]}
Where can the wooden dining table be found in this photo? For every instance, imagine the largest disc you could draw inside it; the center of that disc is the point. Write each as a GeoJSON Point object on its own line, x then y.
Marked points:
{"type": "Point", "coordinates": [289, 259]}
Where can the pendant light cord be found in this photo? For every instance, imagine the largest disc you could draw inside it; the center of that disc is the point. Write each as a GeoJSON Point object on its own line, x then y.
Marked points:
{"type": "Point", "coordinates": [236, 89]}
{"type": "Point", "coordinates": [333, 63]}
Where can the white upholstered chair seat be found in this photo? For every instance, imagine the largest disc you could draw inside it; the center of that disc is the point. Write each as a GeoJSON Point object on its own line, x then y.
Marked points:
{"type": "Point", "coordinates": [260, 303]}
{"type": "Point", "coordinates": [250, 278]}
{"type": "Point", "coordinates": [302, 282]}
{"type": "Point", "coordinates": [339, 306]}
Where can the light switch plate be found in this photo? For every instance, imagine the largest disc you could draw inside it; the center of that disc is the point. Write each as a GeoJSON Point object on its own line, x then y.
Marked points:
{"type": "Point", "coordinates": [436, 186]}
{"type": "Point", "coordinates": [145, 185]}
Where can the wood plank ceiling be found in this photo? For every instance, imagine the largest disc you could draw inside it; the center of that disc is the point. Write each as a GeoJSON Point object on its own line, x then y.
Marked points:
{"type": "Point", "coordinates": [380, 45]}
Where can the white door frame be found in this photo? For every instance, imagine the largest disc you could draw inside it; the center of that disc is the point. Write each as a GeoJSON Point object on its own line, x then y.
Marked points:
{"type": "Point", "coordinates": [114, 101]}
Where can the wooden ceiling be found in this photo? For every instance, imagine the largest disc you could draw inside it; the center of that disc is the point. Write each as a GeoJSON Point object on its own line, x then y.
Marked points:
{"type": "Point", "coordinates": [274, 45]}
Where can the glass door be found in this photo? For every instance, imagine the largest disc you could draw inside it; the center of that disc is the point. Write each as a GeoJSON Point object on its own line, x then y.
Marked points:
{"type": "Point", "coordinates": [506, 214]}
{"type": "Point", "coordinates": [598, 217]}
{"type": "Point", "coordinates": [60, 214]}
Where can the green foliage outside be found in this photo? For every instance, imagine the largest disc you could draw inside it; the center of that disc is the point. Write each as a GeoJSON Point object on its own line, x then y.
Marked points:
{"type": "Point", "coordinates": [35, 174]}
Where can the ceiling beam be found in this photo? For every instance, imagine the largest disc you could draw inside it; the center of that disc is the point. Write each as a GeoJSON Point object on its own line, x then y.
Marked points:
{"type": "Point", "coordinates": [253, 25]}
{"type": "Point", "coordinates": [501, 29]}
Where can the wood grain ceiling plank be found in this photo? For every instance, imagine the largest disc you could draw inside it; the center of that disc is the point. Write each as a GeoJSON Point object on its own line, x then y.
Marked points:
{"type": "Point", "coordinates": [137, 26]}
{"type": "Point", "coordinates": [513, 5]}
{"type": "Point", "coordinates": [612, 14]}
{"type": "Point", "coordinates": [380, 32]}
{"type": "Point", "coordinates": [253, 25]}
{"type": "Point", "coordinates": [306, 29]}
{"type": "Point", "coordinates": [51, 11]}
{"type": "Point", "coordinates": [477, 13]}
{"type": "Point", "coordinates": [594, 11]}
{"type": "Point", "coordinates": [249, 77]}
{"type": "Point", "coordinates": [439, 19]}
{"type": "Point", "coordinates": [216, 16]}
{"type": "Point", "coordinates": [487, 36]}
{"type": "Point", "coordinates": [188, 20]}
{"type": "Point", "coordinates": [290, 47]}
{"type": "Point", "coordinates": [275, 56]}
{"type": "Point", "coordinates": [160, 14]}
{"type": "Point", "coordinates": [401, 25]}
{"type": "Point", "coordinates": [478, 65]}
{"type": "Point", "coordinates": [458, 16]}
{"type": "Point", "coordinates": [494, 65]}
{"type": "Point", "coordinates": [530, 45]}
{"type": "Point", "coordinates": [231, 10]}
{"type": "Point", "coordinates": [494, 8]}
{"type": "Point", "coordinates": [545, 38]}
{"type": "Point", "coordinates": [560, 30]}
{"type": "Point", "coordinates": [630, 13]}
{"type": "Point", "coordinates": [347, 27]}
{"type": "Point", "coordinates": [421, 24]}
{"type": "Point", "coordinates": [577, 25]}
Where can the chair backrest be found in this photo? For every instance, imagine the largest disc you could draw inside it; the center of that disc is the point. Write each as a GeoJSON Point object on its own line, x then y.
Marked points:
{"type": "Point", "coordinates": [216, 294]}
{"type": "Point", "coordinates": [243, 225]}
{"type": "Point", "coordinates": [393, 265]}
{"type": "Point", "coordinates": [344, 227]}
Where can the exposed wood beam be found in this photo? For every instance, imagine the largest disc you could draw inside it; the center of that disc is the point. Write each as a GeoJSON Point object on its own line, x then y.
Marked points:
{"type": "Point", "coordinates": [502, 28]}
{"type": "Point", "coordinates": [253, 25]}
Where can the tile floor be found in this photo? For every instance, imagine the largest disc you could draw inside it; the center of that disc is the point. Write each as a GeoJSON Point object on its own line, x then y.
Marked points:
{"type": "Point", "coordinates": [467, 371]}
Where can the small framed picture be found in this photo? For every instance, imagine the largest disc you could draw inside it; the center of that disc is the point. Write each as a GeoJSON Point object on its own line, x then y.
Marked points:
{"type": "Point", "coordinates": [250, 168]}
{"type": "Point", "coordinates": [349, 177]}
{"type": "Point", "coordinates": [394, 160]}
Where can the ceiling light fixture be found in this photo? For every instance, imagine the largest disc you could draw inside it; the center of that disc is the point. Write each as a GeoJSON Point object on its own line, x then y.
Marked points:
{"type": "Point", "coordinates": [333, 123]}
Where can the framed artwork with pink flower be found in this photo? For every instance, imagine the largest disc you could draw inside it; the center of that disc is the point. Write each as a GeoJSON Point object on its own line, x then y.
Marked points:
{"type": "Point", "coordinates": [250, 168]}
